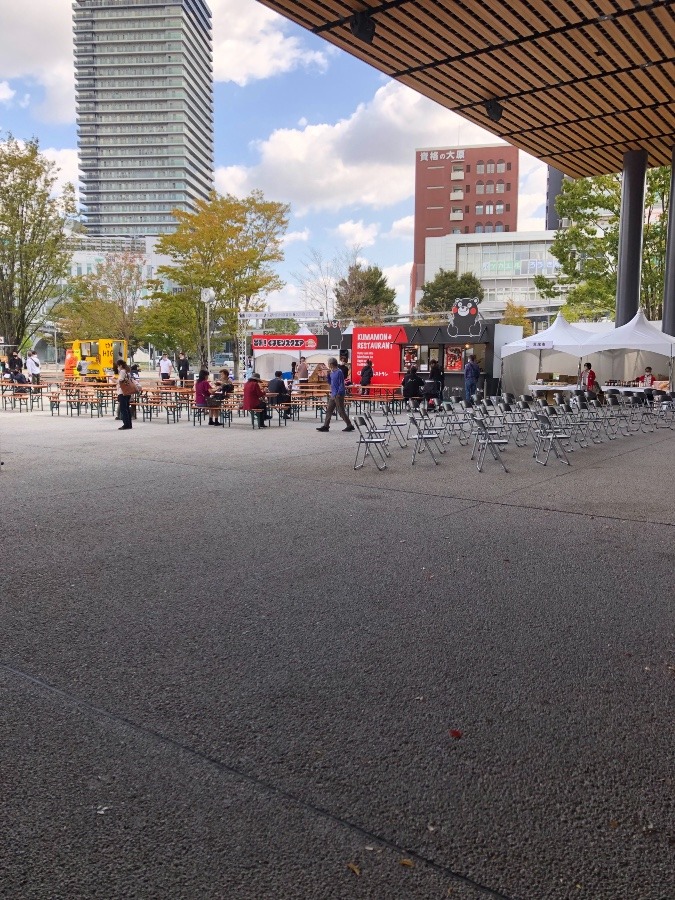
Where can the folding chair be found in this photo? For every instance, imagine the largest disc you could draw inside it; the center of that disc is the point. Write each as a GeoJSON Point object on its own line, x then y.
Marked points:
{"type": "Point", "coordinates": [425, 438]}
{"type": "Point", "coordinates": [367, 442]}
{"type": "Point", "coordinates": [546, 438]}
{"type": "Point", "coordinates": [395, 427]}
{"type": "Point", "coordinates": [484, 438]}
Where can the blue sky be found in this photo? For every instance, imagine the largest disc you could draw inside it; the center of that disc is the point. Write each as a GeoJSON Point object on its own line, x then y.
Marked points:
{"type": "Point", "coordinates": [295, 117]}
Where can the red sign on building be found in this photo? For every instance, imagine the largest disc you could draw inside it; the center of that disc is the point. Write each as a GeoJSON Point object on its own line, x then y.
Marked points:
{"type": "Point", "coordinates": [289, 342]}
{"type": "Point", "coordinates": [380, 344]}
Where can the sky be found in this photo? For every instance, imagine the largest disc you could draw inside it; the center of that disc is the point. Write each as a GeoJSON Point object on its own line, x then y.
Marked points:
{"type": "Point", "coordinates": [302, 121]}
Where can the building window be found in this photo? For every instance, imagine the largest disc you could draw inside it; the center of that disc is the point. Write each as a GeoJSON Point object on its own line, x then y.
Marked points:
{"type": "Point", "coordinates": [457, 173]}
{"type": "Point", "coordinates": [499, 226]}
{"type": "Point", "coordinates": [480, 167]}
{"type": "Point", "coordinates": [499, 209]}
{"type": "Point", "coordinates": [501, 165]}
{"type": "Point", "coordinates": [478, 229]}
{"type": "Point", "coordinates": [480, 187]}
{"type": "Point", "coordinates": [489, 209]}
{"type": "Point", "coordinates": [508, 208]}
{"type": "Point", "coordinates": [456, 231]}
{"type": "Point", "coordinates": [489, 228]}
{"type": "Point", "coordinates": [490, 187]}
{"type": "Point", "coordinates": [490, 167]}
{"type": "Point", "coordinates": [508, 167]}
{"type": "Point", "coordinates": [500, 187]}
{"type": "Point", "coordinates": [456, 214]}
{"type": "Point", "coordinates": [479, 209]}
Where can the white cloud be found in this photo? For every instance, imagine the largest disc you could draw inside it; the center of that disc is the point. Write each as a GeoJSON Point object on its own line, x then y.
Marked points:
{"type": "Point", "coordinates": [402, 228]}
{"type": "Point", "coordinates": [398, 277]}
{"type": "Point", "coordinates": [356, 234]}
{"type": "Point", "coordinates": [6, 92]}
{"type": "Point", "coordinates": [36, 44]}
{"type": "Point", "coordinates": [366, 159]}
{"type": "Point", "coordinates": [250, 43]}
{"type": "Point", "coordinates": [294, 236]}
{"type": "Point", "coordinates": [66, 160]}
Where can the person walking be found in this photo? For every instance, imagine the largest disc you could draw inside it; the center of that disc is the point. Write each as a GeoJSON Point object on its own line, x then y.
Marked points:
{"type": "Point", "coordinates": [165, 367]}
{"type": "Point", "coordinates": [125, 389]}
{"type": "Point", "coordinates": [471, 376]}
{"type": "Point", "coordinates": [33, 366]}
{"type": "Point", "coordinates": [336, 401]}
{"type": "Point", "coordinates": [183, 368]}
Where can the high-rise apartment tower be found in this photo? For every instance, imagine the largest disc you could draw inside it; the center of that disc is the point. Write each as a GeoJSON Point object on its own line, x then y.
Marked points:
{"type": "Point", "coordinates": [144, 83]}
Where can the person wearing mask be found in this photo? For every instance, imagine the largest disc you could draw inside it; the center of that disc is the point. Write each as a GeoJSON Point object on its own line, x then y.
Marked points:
{"type": "Point", "coordinates": [647, 380]}
{"type": "Point", "coordinates": [589, 381]}
{"type": "Point", "coordinates": [15, 362]}
{"type": "Point", "coordinates": [125, 390]}
{"type": "Point", "coordinates": [366, 376]}
{"type": "Point", "coordinates": [302, 372]}
{"type": "Point", "coordinates": [165, 367]}
{"type": "Point", "coordinates": [471, 376]}
{"type": "Point", "coordinates": [254, 399]}
{"type": "Point", "coordinates": [336, 400]}
{"type": "Point", "coordinates": [183, 368]}
{"type": "Point", "coordinates": [33, 366]}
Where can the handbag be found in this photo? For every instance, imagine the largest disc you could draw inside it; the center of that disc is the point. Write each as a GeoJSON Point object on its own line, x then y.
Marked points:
{"type": "Point", "coordinates": [129, 388]}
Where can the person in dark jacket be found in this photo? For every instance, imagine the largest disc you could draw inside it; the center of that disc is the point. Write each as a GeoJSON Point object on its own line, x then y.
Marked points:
{"type": "Point", "coordinates": [412, 387]}
{"type": "Point", "coordinates": [278, 386]}
{"type": "Point", "coordinates": [183, 368]}
{"type": "Point", "coordinates": [366, 376]}
{"type": "Point", "coordinates": [435, 374]}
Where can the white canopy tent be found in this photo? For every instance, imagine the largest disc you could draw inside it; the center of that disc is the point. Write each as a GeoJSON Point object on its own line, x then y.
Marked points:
{"type": "Point", "coordinates": [561, 337]}
{"type": "Point", "coordinates": [551, 347]}
{"type": "Point", "coordinates": [638, 334]}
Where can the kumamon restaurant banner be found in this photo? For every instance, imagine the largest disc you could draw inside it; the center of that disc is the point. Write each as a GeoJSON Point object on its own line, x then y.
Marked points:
{"type": "Point", "coordinates": [378, 343]}
{"type": "Point", "coordinates": [290, 343]}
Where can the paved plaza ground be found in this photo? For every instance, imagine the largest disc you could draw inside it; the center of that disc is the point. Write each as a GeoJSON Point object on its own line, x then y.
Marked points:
{"type": "Point", "coordinates": [232, 667]}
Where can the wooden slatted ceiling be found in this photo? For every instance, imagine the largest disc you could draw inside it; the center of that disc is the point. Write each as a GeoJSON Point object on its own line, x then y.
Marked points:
{"type": "Point", "coordinates": [580, 81]}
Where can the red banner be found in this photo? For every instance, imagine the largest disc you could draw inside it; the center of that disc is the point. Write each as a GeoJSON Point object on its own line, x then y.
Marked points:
{"type": "Point", "coordinates": [379, 344]}
{"type": "Point", "coordinates": [293, 343]}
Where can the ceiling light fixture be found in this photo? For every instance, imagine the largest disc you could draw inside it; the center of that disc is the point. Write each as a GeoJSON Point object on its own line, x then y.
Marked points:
{"type": "Point", "coordinates": [362, 27]}
{"type": "Point", "coordinates": [494, 109]}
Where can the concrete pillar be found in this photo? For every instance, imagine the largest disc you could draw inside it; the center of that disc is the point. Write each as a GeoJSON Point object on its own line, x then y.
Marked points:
{"type": "Point", "coordinates": [669, 279]}
{"type": "Point", "coordinates": [630, 235]}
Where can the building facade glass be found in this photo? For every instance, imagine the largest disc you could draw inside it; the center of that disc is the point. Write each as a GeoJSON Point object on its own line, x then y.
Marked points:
{"type": "Point", "coordinates": [144, 84]}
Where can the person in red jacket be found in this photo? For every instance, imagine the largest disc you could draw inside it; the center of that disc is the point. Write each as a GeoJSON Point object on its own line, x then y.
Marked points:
{"type": "Point", "coordinates": [254, 398]}
{"type": "Point", "coordinates": [589, 381]}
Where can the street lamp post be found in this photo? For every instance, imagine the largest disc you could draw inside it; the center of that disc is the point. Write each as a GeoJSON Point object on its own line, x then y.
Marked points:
{"type": "Point", "coordinates": [208, 296]}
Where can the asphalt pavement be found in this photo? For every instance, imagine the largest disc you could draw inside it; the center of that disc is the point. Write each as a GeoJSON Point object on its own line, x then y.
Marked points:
{"type": "Point", "coordinates": [233, 667]}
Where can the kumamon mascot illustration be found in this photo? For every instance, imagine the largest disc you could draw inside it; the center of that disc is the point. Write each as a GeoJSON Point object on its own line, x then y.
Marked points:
{"type": "Point", "coordinates": [466, 320]}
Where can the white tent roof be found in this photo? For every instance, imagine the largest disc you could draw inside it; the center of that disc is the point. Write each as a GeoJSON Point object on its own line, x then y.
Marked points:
{"type": "Point", "coordinates": [560, 336]}
{"type": "Point", "coordinates": [638, 334]}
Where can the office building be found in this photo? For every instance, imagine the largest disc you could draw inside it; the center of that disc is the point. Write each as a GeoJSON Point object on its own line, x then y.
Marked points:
{"type": "Point", "coordinates": [462, 190]}
{"type": "Point", "coordinates": [554, 183]}
{"type": "Point", "coordinates": [505, 265]}
{"type": "Point", "coordinates": [144, 85]}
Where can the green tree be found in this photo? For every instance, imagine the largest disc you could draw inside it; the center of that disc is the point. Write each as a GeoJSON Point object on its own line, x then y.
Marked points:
{"type": "Point", "coordinates": [106, 302]}
{"type": "Point", "coordinates": [170, 323]}
{"type": "Point", "coordinates": [227, 246]}
{"type": "Point", "coordinates": [587, 247]}
{"type": "Point", "coordinates": [34, 238]}
{"type": "Point", "coordinates": [281, 326]}
{"type": "Point", "coordinates": [364, 295]}
{"type": "Point", "coordinates": [440, 294]}
{"type": "Point", "coordinates": [515, 314]}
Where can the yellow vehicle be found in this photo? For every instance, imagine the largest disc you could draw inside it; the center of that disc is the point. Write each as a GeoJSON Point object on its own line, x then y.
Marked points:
{"type": "Point", "coordinates": [95, 358]}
